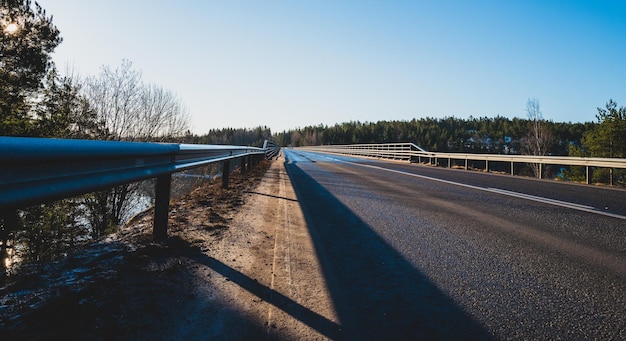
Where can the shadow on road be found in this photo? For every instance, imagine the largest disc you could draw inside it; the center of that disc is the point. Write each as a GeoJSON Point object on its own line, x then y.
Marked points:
{"type": "Point", "coordinates": [376, 292]}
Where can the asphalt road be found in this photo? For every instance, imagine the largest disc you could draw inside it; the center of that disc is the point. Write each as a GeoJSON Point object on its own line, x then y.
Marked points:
{"type": "Point", "coordinates": [416, 252]}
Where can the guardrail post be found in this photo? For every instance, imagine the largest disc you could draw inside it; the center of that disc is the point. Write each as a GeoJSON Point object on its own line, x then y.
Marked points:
{"type": "Point", "coordinates": [588, 174]}
{"type": "Point", "coordinates": [162, 205]}
{"type": "Point", "coordinates": [225, 173]}
{"type": "Point", "coordinates": [255, 161]}
{"type": "Point", "coordinates": [243, 165]}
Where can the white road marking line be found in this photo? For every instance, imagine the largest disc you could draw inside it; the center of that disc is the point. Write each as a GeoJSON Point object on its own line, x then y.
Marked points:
{"type": "Point", "coordinates": [548, 201]}
{"type": "Point", "coordinates": [541, 199]}
{"type": "Point", "coordinates": [554, 202]}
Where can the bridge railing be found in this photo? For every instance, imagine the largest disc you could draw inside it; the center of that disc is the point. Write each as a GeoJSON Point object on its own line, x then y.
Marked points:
{"type": "Point", "coordinates": [413, 153]}
{"type": "Point", "coordinates": [38, 170]}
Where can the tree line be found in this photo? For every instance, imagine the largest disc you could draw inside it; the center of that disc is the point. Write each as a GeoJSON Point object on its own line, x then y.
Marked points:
{"type": "Point", "coordinates": [497, 135]}
{"type": "Point", "coordinates": [533, 135]}
{"type": "Point", "coordinates": [254, 137]}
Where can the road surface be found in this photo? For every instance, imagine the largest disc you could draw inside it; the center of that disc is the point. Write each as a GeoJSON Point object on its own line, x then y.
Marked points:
{"type": "Point", "coordinates": [416, 252]}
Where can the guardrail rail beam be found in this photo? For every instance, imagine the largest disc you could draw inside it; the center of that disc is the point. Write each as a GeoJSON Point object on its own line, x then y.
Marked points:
{"type": "Point", "coordinates": [39, 170]}
{"type": "Point", "coordinates": [412, 152]}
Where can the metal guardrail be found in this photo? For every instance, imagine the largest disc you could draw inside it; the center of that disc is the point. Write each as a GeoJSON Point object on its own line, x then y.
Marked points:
{"type": "Point", "coordinates": [272, 149]}
{"type": "Point", "coordinates": [38, 170]}
{"type": "Point", "coordinates": [393, 151]}
{"type": "Point", "coordinates": [413, 153]}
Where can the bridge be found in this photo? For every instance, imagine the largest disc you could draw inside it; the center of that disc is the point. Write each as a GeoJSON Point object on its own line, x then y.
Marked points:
{"type": "Point", "coordinates": [450, 254]}
{"type": "Point", "coordinates": [406, 251]}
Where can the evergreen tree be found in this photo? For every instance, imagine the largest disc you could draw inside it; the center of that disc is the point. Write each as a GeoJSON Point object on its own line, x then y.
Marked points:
{"type": "Point", "coordinates": [27, 38]}
{"type": "Point", "coordinates": [64, 112]}
{"type": "Point", "coordinates": [608, 139]}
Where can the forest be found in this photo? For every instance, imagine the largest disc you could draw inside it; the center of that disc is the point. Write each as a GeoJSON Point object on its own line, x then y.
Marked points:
{"type": "Point", "coordinates": [498, 135]}
{"type": "Point", "coordinates": [254, 137]}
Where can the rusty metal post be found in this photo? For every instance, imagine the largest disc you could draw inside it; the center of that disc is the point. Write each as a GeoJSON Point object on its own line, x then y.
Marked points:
{"type": "Point", "coordinates": [225, 173]}
{"type": "Point", "coordinates": [162, 206]}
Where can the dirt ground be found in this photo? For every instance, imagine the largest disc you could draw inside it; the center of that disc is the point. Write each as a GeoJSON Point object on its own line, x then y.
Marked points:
{"type": "Point", "coordinates": [238, 264]}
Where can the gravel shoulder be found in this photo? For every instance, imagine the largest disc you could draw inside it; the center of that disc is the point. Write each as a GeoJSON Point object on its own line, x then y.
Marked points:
{"type": "Point", "coordinates": [238, 264]}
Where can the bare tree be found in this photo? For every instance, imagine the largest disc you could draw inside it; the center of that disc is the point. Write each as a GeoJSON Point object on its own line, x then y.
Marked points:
{"type": "Point", "coordinates": [132, 110]}
{"type": "Point", "coordinates": [114, 95]}
{"type": "Point", "coordinates": [162, 114]}
{"type": "Point", "coordinates": [539, 136]}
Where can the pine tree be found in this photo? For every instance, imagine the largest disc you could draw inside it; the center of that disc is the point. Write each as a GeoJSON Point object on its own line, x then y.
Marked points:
{"type": "Point", "coordinates": [608, 139]}
{"type": "Point", "coordinates": [27, 38]}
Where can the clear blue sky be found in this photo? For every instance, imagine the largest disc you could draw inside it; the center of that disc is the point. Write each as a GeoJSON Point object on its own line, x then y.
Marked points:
{"type": "Point", "coordinates": [288, 64]}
